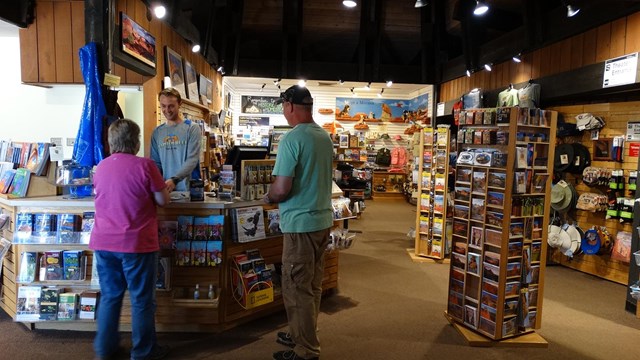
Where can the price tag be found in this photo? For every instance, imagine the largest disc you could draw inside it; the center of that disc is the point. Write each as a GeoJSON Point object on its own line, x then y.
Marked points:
{"type": "Point", "coordinates": [111, 80]}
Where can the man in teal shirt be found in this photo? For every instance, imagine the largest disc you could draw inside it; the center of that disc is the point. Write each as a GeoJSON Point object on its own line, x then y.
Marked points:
{"type": "Point", "coordinates": [302, 188]}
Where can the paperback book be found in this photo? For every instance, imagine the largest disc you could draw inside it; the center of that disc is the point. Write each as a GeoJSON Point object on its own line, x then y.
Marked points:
{"type": "Point", "coordinates": [273, 222]}
{"type": "Point", "coordinates": [89, 300]}
{"type": "Point", "coordinates": [214, 252]}
{"type": "Point", "coordinates": [72, 264]}
{"type": "Point", "coordinates": [167, 234]}
{"type": "Point", "coordinates": [28, 304]}
{"type": "Point", "coordinates": [250, 224]}
{"type": "Point", "coordinates": [67, 306]}
{"type": "Point", "coordinates": [49, 303]}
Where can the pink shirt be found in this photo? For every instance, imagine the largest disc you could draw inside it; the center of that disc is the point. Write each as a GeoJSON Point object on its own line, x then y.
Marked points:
{"type": "Point", "coordinates": [126, 218]}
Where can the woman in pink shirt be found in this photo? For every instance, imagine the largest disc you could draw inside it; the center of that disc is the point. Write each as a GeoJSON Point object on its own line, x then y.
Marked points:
{"type": "Point", "coordinates": [125, 242]}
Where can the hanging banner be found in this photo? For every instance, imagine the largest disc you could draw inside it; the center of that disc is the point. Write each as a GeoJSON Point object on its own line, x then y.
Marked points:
{"type": "Point", "coordinates": [620, 71]}
{"type": "Point", "coordinates": [260, 105]}
{"type": "Point", "coordinates": [388, 110]}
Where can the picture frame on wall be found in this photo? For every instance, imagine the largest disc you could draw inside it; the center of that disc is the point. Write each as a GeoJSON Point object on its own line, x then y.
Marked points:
{"type": "Point", "coordinates": [175, 71]}
{"type": "Point", "coordinates": [136, 41]}
{"type": "Point", "coordinates": [191, 81]}
{"type": "Point", "coordinates": [205, 87]}
{"type": "Point", "coordinates": [602, 149]}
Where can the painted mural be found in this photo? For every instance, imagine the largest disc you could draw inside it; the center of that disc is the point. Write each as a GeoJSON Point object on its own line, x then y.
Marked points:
{"type": "Point", "coordinates": [387, 110]}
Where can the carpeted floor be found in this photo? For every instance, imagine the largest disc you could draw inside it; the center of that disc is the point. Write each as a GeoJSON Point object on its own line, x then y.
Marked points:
{"type": "Point", "coordinates": [389, 307]}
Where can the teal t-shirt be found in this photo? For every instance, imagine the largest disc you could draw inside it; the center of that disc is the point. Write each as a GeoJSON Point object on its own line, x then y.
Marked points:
{"type": "Point", "coordinates": [306, 154]}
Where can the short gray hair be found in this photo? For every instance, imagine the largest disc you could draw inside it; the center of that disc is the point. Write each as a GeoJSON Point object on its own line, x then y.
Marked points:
{"type": "Point", "coordinates": [124, 137]}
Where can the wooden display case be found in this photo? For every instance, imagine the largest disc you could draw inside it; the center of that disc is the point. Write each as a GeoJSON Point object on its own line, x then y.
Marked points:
{"type": "Point", "coordinates": [391, 182]}
{"type": "Point", "coordinates": [432, 218]}
{"type": "Point", "coordinates": [499, 238]}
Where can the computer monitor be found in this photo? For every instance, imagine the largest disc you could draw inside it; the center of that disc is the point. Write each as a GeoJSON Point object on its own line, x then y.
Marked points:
{"type": "Point", "coordinates": [239, 153]}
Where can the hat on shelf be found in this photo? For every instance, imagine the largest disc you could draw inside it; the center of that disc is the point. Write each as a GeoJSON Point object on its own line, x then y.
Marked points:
{"type": "Point", "coordinates": [564, 157]}
{"type": "Point", "coordinates": [574, 234]}
{"type": "Point", "coordinates": [587, 121]}
{"type": "Point", "coordinates": [581, 158]}
{"type": "Point", "coordinates": [296, 95]}
{"type": "Point", "coordinates": [591, 242]}
{"type": "Point", "coordinates": [562, 195]}
{"type": "Point", "coordinates": [559, 239]}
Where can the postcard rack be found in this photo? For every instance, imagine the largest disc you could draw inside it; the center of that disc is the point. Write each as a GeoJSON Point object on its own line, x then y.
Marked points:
{"type": "Point", "coordinates": [500, 220]}
{"type": "Point", "coordinates": [432, 220]}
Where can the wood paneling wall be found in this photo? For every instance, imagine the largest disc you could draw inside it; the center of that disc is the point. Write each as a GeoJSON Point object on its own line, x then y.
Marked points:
{"type": "Point", "coordinates": [616, 116]}
{"type": "Point", "coordinates": [607, 41]}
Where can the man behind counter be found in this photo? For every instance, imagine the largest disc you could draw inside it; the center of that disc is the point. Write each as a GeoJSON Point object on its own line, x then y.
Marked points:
{"type": "Point", "coordinates": [175, 145]}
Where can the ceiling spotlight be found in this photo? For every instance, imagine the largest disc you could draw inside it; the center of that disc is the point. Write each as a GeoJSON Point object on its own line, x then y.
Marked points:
{"type": "Point", "coordinates": [195, 48]}
{"type": "Point", "coordinates": [159, 11]}
{"type": "Point", "coordinates": [572, 10]}
{"type": "Point", "coordinates": [420, 3]}
{"type": "Point", "coordinates": [262, 87]}
{"type": "Point", "coordinates": [380, 93]}
{"type": "Point", "coordinates": [220, 68]}
{"type": "Point", "coordinates": [481, 8]}
{"type": "Point", "coordinates": [349, 3]}
{"type": "Point", "coordinates": [340, 82]}
{"type": "Point", "coordinates": [368, 86]}
{"type": "Point", "coordinates": [517, 58]}
{"type": "Point", "coordinates": [389, 83]}
{"type": "Point", "coordinates": [353, 93]}
{"type": "Point", "coordinates": [487, 67]}
{"type": "Point", "coordinates": [276, 82]}
{"type": "Point", "coordinates": [468, 73]}
{"type": "Point", "coordinates": [302, 83]}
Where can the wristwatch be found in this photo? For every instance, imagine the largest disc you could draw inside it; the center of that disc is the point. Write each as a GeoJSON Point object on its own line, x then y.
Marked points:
{"type": "Point", "coordinates": [175, 180]}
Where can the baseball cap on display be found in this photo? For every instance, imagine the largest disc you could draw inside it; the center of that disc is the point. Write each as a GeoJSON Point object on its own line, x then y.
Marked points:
{"type": "Point", "coordinates": [296, 95]}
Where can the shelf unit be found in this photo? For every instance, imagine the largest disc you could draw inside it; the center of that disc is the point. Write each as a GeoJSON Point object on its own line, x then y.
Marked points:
{"type": "Point", "coordinates": [501, 206]}
{"type": "Point", "coordinates": [393, 183]}
{"type": "Point", "coordinates": [432, 217]}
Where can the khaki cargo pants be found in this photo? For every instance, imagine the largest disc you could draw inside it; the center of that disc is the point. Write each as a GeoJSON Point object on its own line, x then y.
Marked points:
{"type": "Point", "coordinates": [302, 272]}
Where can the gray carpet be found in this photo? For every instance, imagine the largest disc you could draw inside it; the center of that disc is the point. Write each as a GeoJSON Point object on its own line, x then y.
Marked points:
{"type": "Point", "coordinates": [389, 307]}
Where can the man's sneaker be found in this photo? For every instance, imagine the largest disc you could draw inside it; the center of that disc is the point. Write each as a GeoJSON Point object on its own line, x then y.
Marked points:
{"type": "Point", "coordinates": [285, 339]}
{"type": "Point", "coordinates": [289, 355]}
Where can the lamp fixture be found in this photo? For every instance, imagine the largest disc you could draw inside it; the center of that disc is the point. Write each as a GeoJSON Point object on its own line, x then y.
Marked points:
{"type": "Point", "coordinates": [368, 86]}
{"type": "Point", "coordinates": [572, 10]}
{"type": "Point", "coordinates": [481, 8]}
{"type": "Point", "coordinates": [380, 93]}
{"type": "Point", "coordinates": [262, 87]}
{"type": "Point", "coordinates": [353, 93]}
{"type": "Point", "coordinates": [420, 3]}
{"type": "Point", "coordinates": [276, 82]}
{"type": "Point", "coordinates": [517, 58]}
{"type": "Point", "coordinates": [302, 83]}
{"type": "Point", "coordinates": [487, 66]}
{"type": "Point", "coordinates": [389, 83]}
{"type": "Point", "coordinates": [468, 72]}
{"type": "Point", "coordinates": [340, 82]}
{"type": "Point", "coordinates": [195, 48]}
{"type": "Point", "coordinates": [159, 11]}
{"type": "Point", "coordinates": [349, 3]}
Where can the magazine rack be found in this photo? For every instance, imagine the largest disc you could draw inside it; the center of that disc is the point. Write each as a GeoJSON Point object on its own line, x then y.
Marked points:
{"type": "Point", "coordinates": [249, 294]}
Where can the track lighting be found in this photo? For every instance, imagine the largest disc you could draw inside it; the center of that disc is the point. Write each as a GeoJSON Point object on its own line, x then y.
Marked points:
{"type": "Point", "coordinates": [468, 72]}
{"type": "Point", "coordinates": [349, 3]}
{"type": "Point", "coordinates": [487, 67]}
{"type": "Point", "coordinates": [420, 3]}
{"type": "Point", "coordinates": [302, 83]}
{"type": "Point", "coordinates": [340, 82]}
{"type": "Point", "coordinates": [368, 86]}
{"type": "Point", "coordinates": [572, 10]}
{"type": "Point", "coordinates": [517, 58]}
{"type": "Point", "coordinates": [195, 48]}
{"type": "Point", "coordinates": [277, 82]}
{"type": "Point", "coordinates": [159, 11]}
{"type": "Point", "coordinates": [262, 87]}
{"type": "Point", "coordinates": [389, 83]}
{"type": "Point", "coordinates": [353, 93]}
{"type": "Point", "coordinates": [380, 93]}
{"type": "Point", "coordinates": [481, 8]}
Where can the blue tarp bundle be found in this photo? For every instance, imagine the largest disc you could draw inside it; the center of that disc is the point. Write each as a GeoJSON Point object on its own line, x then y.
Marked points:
{"type": "Point", "coordinates": [88, 149]}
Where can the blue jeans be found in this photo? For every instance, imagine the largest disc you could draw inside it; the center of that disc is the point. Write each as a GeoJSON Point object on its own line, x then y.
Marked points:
{"type": "Point", "coordinates": [119, 271]}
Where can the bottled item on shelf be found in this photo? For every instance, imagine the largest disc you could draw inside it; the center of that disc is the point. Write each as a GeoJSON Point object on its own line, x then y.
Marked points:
{"type": "Point", "coordinates": [211, 294]}
{"type": "Point", "coordinates": [196, 292]}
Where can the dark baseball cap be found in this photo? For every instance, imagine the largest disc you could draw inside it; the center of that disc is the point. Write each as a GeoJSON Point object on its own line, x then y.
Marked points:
{"type": "Point", "coordinates": [296, 95]}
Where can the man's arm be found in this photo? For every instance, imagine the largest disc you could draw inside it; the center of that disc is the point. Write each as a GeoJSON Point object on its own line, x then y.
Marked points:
{"type": "Point", "coordinates": [279, 189]}
{"type": "Point", "coordinates": [193, 153]}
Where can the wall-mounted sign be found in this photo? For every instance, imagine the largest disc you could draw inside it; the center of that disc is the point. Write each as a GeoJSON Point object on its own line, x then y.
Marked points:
{"type": "Point", "coordinates": [260, 105]}
{"type": "Point", "coordinates": [634, 149]}
{"type": "Point", "coordinates": [633, 131]}
{"type": "Point", "coordinates": [253, 120]}
{"type": "Point", "coordinates": [440, 109]}
{"type": "Point", "coordinates": [620, 71]}
{"type": "Point", "coordinates": [355, 109]}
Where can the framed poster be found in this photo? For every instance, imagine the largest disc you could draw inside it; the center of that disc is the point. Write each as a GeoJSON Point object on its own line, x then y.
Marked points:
{"type": "Point", "coordinates": [260, 105]}
{"type": "Point", "coordinates": [174, 69]}
{"type": "Point", "coordinates": [602, 149]}
{"type": "Point", "coordinates": [136, 41]}
{"type": "Point", "coordinates": [191, 81]}
{"type": "Point", "coordinates": [206, 88]}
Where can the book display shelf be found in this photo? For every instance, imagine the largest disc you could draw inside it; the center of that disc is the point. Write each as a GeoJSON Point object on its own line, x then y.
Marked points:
{"type": "Point", "coordinates": [501, 208]}
{"type": "Point", "coordinates": [432, 218]}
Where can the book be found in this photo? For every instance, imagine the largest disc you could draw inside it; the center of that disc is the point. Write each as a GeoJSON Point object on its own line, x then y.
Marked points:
{"type": "Point", "coordinates": [89, 300]}
{"type": "Point", "coordinates": [44, 225]}
{"type": "Point", "coordinates": [199, 253]}
{"type": "Point", "coordinates": [273, 222]}
{"type": "Point", "coordinates": [68, 226]}
{"type": "Point", "coordinates": [49, 303]}
{"type": "Point", "coordinates": [200, 228]}
{"type": "Point", "coordinates": [67, 306]}
{"type": "Point", "coordinates": [20, 183]}
{"type": "Point", "coordinates": [185, 227]}
{"type": "Point", "coordinates": [6, 179]}
{"type": "Point", "coordinates": [214, 252]}
{"type": "Point", "coordinates": [183, 253]}
{"type": "Point", "coordinates": [28, 304]}
{"type": "Point", "coordinates": [27, 269]}
{"type": "Point", "coordinates": [216, 230]}
{"type": "Point", "coordinates": [164, 273]}
{"type": "Point", "coordinates": [250, 223]}
{"type": "Point", "coordinates": [167, 234]}
{"type": "Point", "coordinates": [88, 220]}
{"type": "Point", "coordinates": [53, 265]}
{"type": "Point", "coordinates": [72, 264]}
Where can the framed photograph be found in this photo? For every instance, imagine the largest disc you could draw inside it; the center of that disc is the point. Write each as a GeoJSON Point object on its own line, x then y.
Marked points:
{"type": "Point", "coordinates": [205, 87]}
{"type": "Point", "coordinates": [174, 70]}
{"type": "Point", "coordinates": [133, 47]}
{"type": "Point", "coordinates": [191, 81]}
{"type": "Point", "coordinates": [602, 149]}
